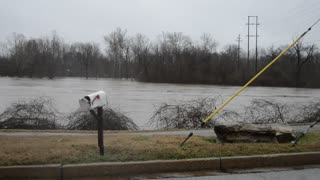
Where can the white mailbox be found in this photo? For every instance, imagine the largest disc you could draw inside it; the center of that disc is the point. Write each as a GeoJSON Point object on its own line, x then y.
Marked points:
{"type": "Point", "coordinates": [91, 101]}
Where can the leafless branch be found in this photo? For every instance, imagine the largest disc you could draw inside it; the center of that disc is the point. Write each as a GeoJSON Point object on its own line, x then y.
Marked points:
{"type": "Point", "coordinates": [113, 120]}
{"type": "Point", "coordinates": [34, 114]}
{"type": "Point", "coordinates": [188, 114]}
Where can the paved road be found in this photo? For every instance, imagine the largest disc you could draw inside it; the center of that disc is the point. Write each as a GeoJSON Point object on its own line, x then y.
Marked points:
{"type": "Point", "coordinates": [307, 173]}
{"type": "Point", "coordinates": [202, 132]}
{"type": "Point", "coordinates": [303, 174]}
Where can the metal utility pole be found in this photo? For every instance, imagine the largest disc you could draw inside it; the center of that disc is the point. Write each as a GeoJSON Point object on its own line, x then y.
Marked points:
{"type": "Point", "coordinates": [238, 55]}
{"type": "Point", "coordinates": [248, 43]}
{"type": "Point", "coordinates": [256, 44]}
{"type": "Point", "coordinates": [256, 35]}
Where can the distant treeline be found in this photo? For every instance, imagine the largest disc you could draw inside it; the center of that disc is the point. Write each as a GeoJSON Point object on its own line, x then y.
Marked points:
{"type": "Point", "coordinates": [173, 58]}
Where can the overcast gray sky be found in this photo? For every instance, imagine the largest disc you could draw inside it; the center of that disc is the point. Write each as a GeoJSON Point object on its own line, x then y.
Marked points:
{"type": "Point", "coordinates": [90, 20]}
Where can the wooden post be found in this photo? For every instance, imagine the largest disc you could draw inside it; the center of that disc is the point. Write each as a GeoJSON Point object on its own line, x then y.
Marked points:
{"type": "Point", "coordinates": [99, 117]}
{"type": "Point", "coordinates": [100, 130]}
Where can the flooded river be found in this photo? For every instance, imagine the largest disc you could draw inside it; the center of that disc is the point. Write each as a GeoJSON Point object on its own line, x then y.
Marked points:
{"type": "Point", "coordinates": [137, 99]}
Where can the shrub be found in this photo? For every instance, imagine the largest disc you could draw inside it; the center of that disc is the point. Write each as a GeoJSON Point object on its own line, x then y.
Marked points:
{"type": "Point", "coordinates": [112, 120]}
{"type": "Point", "coordinates": [188, 114]}
{"type": "Point", "coordinates": [37, 113]}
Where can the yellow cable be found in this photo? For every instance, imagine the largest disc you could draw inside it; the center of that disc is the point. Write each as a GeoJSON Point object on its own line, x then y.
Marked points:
{"type": "Point", "coordinates": [252, 79]}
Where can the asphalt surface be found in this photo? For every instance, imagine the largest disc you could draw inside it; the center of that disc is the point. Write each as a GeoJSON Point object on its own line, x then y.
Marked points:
{"type": "Point", "coordinates": [298, 173]}
{"type": "Point", "coordinates": [201, 132]}
{"type": "Point", "coordinates": [302, 174]}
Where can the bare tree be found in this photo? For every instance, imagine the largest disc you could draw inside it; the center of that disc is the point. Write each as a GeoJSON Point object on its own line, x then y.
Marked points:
{"type": "Point", "coordinates": [227, 65]}
{"type": "Point", "coordinates": [118, 49]}
{"type": "Point", "coordinates": [87, 54]}
{"type": "Point", "coordinates": [172, 58]}
{"type": "Point", "coordinates": [171, 51]}
{"type": "Point", "coordinates": [17, 52]}
{"type": "Point", "coordinates": [56, 49]}
{"type": "Point", "coordinates": [303, 54]}
{"type": "Point", "coordinates": [140, 46]}
{"type": "Point", "coordinates": [32, 56]}
{"type": "Point", "coordinates": [207, 43]}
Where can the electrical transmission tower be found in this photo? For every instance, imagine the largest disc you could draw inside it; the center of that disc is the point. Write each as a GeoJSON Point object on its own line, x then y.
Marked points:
{"type": "Point", "coordinates": [238, 54]}
{"type": "Point", "coordinates": [256, 35]}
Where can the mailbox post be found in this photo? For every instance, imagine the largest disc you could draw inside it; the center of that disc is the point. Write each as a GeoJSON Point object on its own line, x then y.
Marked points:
{"type": "Point", "coordinates": [91, 102]}
{"type": "Point", "coordinates": [99, 118]}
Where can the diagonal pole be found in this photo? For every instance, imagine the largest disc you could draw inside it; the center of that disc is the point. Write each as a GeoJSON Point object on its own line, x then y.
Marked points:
{"type": "Point", "coordinates": [249, 82]}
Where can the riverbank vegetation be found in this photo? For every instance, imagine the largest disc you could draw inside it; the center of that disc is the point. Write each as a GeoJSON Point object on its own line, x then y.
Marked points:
{"type": "Point", "coordinates": [190, 114]}
{"type": "Point", "coordinates": [171, 58]}
{"type": "Point", "coordinates": [34, 114]}
{"type": "Point", "coordinates": [112, 120]}
{"type": "Point", "coordinates": [17, 150]}
{"type": "Point", "coordinates": [40, 113]}
{"type": "Point", "coordinates": [184, 115]}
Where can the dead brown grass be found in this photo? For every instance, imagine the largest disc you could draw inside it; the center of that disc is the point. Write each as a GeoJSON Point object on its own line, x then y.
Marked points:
{"type": "Point", "coordinates": [16, 150]}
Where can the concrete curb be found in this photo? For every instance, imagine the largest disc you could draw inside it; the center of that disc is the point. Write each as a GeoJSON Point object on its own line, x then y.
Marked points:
{"type": "Point", "coordinates": [49, 171]}
{"type": "Point", "coordinates": [125, 168]}
{"type": "Point", "coordinates": [57, 171]}
{"type": "Point", "coordinates": [272, 160]}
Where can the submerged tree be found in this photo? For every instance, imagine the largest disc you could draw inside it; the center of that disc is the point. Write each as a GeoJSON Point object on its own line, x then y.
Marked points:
{"type": "Point", "coordinates": [118, 49]}
{"type": "Point", "coordinates": [140, 47]}
{"type": "Point", "coordinates": [303, 54]}
{"type": "Point", "coordinates": [87, 54]}
{"type": "Point", "coordinates": [17, 53]}
{"type": "Point", "coordinates": [171, 58]}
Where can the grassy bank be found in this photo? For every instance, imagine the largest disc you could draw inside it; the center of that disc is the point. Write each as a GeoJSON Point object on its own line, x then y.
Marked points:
{"type": "Point", "coordinates": [17, 150]}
